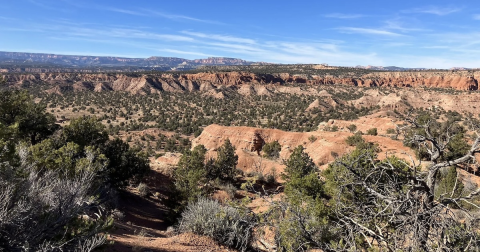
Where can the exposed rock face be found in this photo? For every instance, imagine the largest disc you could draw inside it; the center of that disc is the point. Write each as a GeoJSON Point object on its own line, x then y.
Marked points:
{"type": "Point", "coordinates": [142, 84]}
{"type": "Point", "coordinates": [257, 143]}
{"type": "Point", "coordinates": [213, 136]}
{"type": "Point", "coordinates": [325, 103]}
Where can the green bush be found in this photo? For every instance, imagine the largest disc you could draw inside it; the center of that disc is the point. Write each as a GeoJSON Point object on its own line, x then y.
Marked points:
{"type": "Point", "coordinates": [29, 120]}
{"type": "Point", "coordinates": [189, 175]}
{"type": "Point", "coordinates": [143, 189]}
{"type": "Point", "coordinates": [272, 150]}
{"type": "Point", "coordinates": [301, 175]}
{"type": "Point", "coordinates": [125, 164]}
{"type": "Point", "coordinates": [299, 164]}
{"type": "Point", "coordinates": [227, 225]}
{"type": "Point", "coordinates": [448, 182]}
{"type": "Point", "coordinates": [226, 163]}
{"type": "Point", "coordinates": [352, 128]}
{"type": "Point", "coordinates": [372, 132]}
{"type": "Point", "coordinates": [391, 131]}
{"type": "Point", "coordinates": [85, 131]}
{"type": "Point", "coordinates": [355, 139]}
{"type": "Point", "coordinates": [302, 223]}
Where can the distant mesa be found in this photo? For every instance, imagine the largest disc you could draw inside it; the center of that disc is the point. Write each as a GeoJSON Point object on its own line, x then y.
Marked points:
{"type": "Point", "coordinates": [164, 63]}
{"type": "Point", "coordinates": [389, 68]}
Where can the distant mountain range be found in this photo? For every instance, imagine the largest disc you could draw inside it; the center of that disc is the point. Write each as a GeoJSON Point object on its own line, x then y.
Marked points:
{"type": "Point", "coordinates": [13, 58]}
{"type": "Point", "coordinates": [389, 68]}
{"type": "Point", "coordinates": [42, 62]}
{"type": "Point", "coordinates": [394, 68]}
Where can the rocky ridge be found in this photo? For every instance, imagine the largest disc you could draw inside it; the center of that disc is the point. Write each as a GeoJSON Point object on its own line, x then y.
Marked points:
{"type": "Point", "coordinates": [204, 81]}
{"type": "Point", "coordinates": [79, 61]}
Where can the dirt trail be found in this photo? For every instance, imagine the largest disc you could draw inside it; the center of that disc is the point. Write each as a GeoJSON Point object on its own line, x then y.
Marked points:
{"type": "Point", "coordinates": [144, 226]}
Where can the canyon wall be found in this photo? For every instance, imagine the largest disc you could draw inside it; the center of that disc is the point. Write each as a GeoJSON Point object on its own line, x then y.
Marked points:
{"type": "Point", "coordinates": [152, 83]}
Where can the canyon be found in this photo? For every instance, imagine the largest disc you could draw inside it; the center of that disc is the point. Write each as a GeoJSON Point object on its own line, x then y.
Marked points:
{"type": "Point", "coordinates": [137, 83]}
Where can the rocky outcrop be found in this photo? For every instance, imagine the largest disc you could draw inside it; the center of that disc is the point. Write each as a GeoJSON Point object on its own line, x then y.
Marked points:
{"type": "Point", "coordinates": [257, 143]}
{"type": "Point", "coordinates": [257, 83]}
{"type": "Point", "coordinates": [322, 104]}
{"type": "Point", "coordinates": [320, 150]}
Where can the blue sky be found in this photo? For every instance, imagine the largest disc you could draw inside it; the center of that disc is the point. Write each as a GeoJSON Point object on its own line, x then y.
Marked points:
{"type": "Point", "coordinates": [432, 34]}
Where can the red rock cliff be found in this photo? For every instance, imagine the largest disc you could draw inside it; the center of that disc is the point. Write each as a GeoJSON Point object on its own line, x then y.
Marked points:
{"type": "Point", "coordinates": [462, 80]}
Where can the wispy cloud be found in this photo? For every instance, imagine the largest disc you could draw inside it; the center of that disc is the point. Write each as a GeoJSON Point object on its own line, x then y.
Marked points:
{"type": "Point", "coordinates": [129, 12]}
{"type": "Point", "coordinates": [476, 16]}
{"type": "Point", "coordinates": [103, 33]}
{"type": "Point", "coordinates": [396, 44]}
{"type": "Point", "coordinates": [126, 33]}
{"type": "Point", "coordinates": [369, 31]}
{"type": "Point", "coordinates": [343, 16]}
{"type": "Point", "coordinates": [398, 25]}
{"type": "Point", "coordinates": [294, 52]}
{"type": "Point", "coordinates": [153, 13]}
{"type": "Point", "coordinates": [435, 47]}
{"type": "Point", "coordinates": [239, 48]}
{"type": "Point", "coordinates": [435, 10]}
{"type": "Point", "coordinates": [224, 38]}
{"type": "Point", "coordinates": [178, 17]}
{"type": "Point", "coordinates": [8, 18]}
{"type": "Point", "coordinates": [185, 52]}
{"type": "Point", "coordinates": [46, 6]}
{"type": "Point", "coordinates": [455, 40]}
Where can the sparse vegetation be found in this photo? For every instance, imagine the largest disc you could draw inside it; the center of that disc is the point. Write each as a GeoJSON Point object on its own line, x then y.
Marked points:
{"type": "Point", "coordinates": [372, 132]}
{"type": "Point", "coordinates": [359, 202]}
{"type": "Point", "coordinates": [228, 225]}
{"type": "Point", "coordinates": [355, 140]}
{"type": "Point", "coordinates": [143, 189]}
{"type": "Point", "coordinates": [352, 128]}
{"type": "Point", "coordinates": [52, 177]}
{"type": "Point", "coordinates": [272, 150]}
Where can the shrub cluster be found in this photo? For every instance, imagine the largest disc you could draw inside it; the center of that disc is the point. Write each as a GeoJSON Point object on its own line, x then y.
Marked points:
{"type": "Point", "coordinates": [272, 150]}
{"type": "Point", "coordinates": [227, 225]}
{"type": "Point", "coordinates": [50, 176]}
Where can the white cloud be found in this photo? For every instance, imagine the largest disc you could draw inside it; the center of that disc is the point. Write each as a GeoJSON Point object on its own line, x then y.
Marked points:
{"type": "Point", "coordinates": [248, 49]}
{"type": "Point", "coordinates": [185, 52]}
{"type": "Point", "coordinates": [437, 62]}
{"type": "Point", "coordinates": [129, 12]}
{"type": "Point", "coordinates": [476, 16]}
{"type": "Point", "coordinates": [224, 38]}
{"type": "Point", "coordinates": [435, 10]}
{"type": "Point", "coordinates": [369, 31]}
{"type": "Point", "coordinates": [343, 16]}
{"type": "Point", "coordinates": [399, 25]}
{"type": "Point", "coordinates": [48, 7]}
{"type": "Point", "coordinates": [435, 47]}
{"type": "Point", "coordinates": [152, 13]}
{"type": "Point", "coordinates": [294, 52]}
{"type": "Point", "coordinates": [122, 33]}
{"type": "Point", "coordinates": [178, 17]}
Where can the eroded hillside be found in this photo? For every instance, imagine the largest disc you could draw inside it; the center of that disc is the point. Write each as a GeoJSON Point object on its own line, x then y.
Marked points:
{"type": "Point", "coordinates": [153, 83]}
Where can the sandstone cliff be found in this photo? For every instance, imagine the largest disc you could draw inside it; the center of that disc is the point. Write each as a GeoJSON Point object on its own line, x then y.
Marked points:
{"type": "Point", "coordinates": [321, 150]}
{"type": "Point", "coordinates": [152, 83]}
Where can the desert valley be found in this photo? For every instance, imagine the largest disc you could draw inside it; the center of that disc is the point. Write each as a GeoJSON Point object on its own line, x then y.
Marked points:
{"type": "Point", "coordinates": [248, 126]}
{"type": "Point", "coordinates": [258, 141]}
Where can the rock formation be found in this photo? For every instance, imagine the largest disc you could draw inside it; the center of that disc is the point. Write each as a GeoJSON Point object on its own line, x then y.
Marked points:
{"type": "Point", "coordinates": [257, 143]}
{"type": "Point", "coordinates": [152, 83]}
{"type": "Point", "coordinates": [213, 136]}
